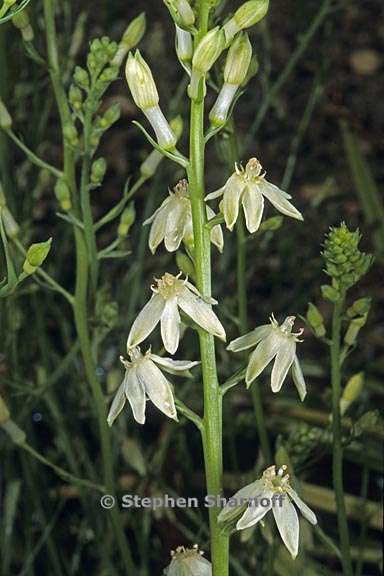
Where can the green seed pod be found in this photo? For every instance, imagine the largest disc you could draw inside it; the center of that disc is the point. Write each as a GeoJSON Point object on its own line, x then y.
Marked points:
{"type": "Point", "coordinates": [5, 117]}
{"type": "Point", "coordinates": [126, 220]}
{"type": "Point", "coordinates": [315, 320]}
{"type": "Point", "coordinates": [98, 170]}
{"type": "Point", "coordinates": [36, 254]}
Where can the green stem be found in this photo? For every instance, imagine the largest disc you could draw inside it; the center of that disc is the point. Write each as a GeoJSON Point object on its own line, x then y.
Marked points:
{"type": "Point", "coordinates": [80, 307]}
{"type": "Point", "coordinates": [32, 156]}
{"type": "Point", "coordinates": [212, 421]}
{"type": "Point", "coordinates": [337, 441]}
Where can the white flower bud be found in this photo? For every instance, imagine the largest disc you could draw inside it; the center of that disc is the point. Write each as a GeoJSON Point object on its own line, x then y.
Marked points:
{"type": "Point", "coordinates": [246, 16]}
{"type": "Point", "coordinates": [141, 82]}
{"type": "Point", "coordinates": [208, 50]}
{"type": "Point", "coordinates": [164, 135]}
{"type": "Point", "coordinates": [181, 12]}
{"type": "Point", "coordinates": [184, 47]}
{"type": "Point", "coordinates": [131, 37]}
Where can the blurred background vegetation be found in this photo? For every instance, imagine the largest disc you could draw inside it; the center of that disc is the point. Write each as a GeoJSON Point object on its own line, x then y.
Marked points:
{"type": "Point", "coordinates": [314, 117]}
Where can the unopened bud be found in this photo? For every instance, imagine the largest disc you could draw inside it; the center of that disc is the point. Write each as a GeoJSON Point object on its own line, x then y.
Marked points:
{"type": "Point", "coordinates": [10, 225]}
{"type": "Point", "coordinates": [70, 134]}
{"type": "Point", "coordinates": [330, 293]}
{"type": "Point", "coordinates": [354, 328]}
{"type": "Point", "coordinates": [63, 194]}
{"type": "Point", "coordinates": [75, 98]}
{"type": "Point", "coordinates": [5, 117]}
{"type": "Point", "coordinates": [131, 37]}
{"type": "Point", "coordinates": [184, 45]}
{"type": "Point", "coordinates": [207, 52]}
{"type": "Point", "coordinates": [359, 307]}
{"type": "Point", "coordinates": [181, 12]}
{"type": "Point", "coordinates": [185, 264]}
{"type": "Point", "coordinates": [21, 21]}
{"type": "Point", "coordinates": [246, 16]}
{"type": "Point", "coordinates": [126, 220]}
{"type": "Point", "coordinates": [81, 77]}
{"type": "Point", "coordinates": [315, 320]}
{"type": "Point", "coordinates": [98, 170]}
{"type": "Point", "coordinates": [235, 71]}
{"type": "Point", "coordinates": [110, 117]}
{"type": "Point", "coordinates": [141, 82]}
{"type": "Point", "coordinates": [36, 254]}
{"type": "Point", "coordinates": [351, 391]}
{"type": "Point", "coordinates": [252, 70]}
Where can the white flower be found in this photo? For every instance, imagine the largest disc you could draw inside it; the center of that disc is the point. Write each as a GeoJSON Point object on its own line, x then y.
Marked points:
{"type": "Point", "coordinates": [189, 562]}
{"type": "Point", "coordinates": [274, 487]}
{"type": "Point", "coordinates": [143, 379]}
{"type": "Point", "coordinates": [169, 294]}
{"type": "Point", "coordinates": [172, 222]}
{"type": "Point", "coordinates": [248, 186]}
{"type": "Point", "coordinates": [273, 341]}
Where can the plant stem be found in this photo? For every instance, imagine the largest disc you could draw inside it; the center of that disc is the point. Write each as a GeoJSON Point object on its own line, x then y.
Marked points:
{"type": "Point", "coordinates": [212, 421]}
{"type": "Point", "coordinates": [32, 156]}
{"type": "Point", "coordinates": [337, 437]}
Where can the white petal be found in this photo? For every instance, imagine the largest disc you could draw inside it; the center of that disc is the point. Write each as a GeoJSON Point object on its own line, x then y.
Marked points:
{"type": "Point", "coordinates": [254, 513]}
{"type": "Point", "coordinates": [280, 202]}
{"type": "Point", "coordinates": [298, 379]}
{"type": "Point", "coordinates": [288, 524]}
{"type": "Point", "coordinates": [135, 394]}
{"type": "Point", "coordinates": [232, 194]}
{"type": "Point", "coordinates": [283, 362]}
{"type": "Point", "coordinates": [230, 510]}
{"type": "Point", "coordinates": [215, 194]}
{"type": "Point", "coordinates": [217, 237]}
{"type": "Point", "coordinates": [158, 211]}
{"type": "Point", "coordinates": [170, 325]}
{"type": "Point", "coordinates": [253, 206]}
{"type": "Point", "coordinates": [157, 387]}
{"type": "Point", "coordinates": [146, 320]}
{"type": "Point", "coordinates": [118, 402]}
{"type": "Point", "coordinates": [177, 367]}
{"type": "Point", "coordinates": [177, 222]}
{"type": "Point", "coordinates": [262, 356]}
{"type": "Point", "coordinates": [158, 228]}
{"type": "Point", "coordinates": [201, 313]}
{"type": "Point", "coordinates": [207, 299]}
{"type": "Point", "coordinates": [304, 509]}
{"type": "Point", "coordinates": [250, 339]}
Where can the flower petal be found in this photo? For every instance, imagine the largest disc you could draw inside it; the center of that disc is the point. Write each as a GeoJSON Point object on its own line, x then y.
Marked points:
{"type": "Point", "coordinates": [158, 228]}
{"type": "Point", "coordinates": [250, 339]}
{"type": "Point", "coordinates": [280, 202]}
{"type": "Point", "coordinates": [254, 513]}
{"type": "Point", "coordinates": [170, 325]}
{"type": "Point", "coordinates": [217, 237]}
{"type": "Point", "coordinates": [118, 402]}
{"type": "Point", "coordinates": [135, 394]}
{"type": "Point", "coordinates": [304, 509]}
{"type": "Point", "coordinates": [177, 367]}
{"type": "Point", "coordinates": [298, 379]}
{"type": "Point", "coordinates": [207, 299]}
{"type": "Point", "coordinates": [232, 194]}
{"type": "Point", "coordinates": [230, 510]}
{"type": "Point", "coordinates": [215, 194]}
{"type": "Point", "coordinates": [176, 224]}
{"type": "Point", "coordinates": [283, 362]}
{"type": "Point", "coordinates": [287, 523]}
{"type": "Point", "coordinates": [146, 320]}
{"type": "Point", "coordinates": [158, 211]}
{"type": "Point", "coordinates": [157, 387]}
{"type": "Point", "coordinates": [253, 206]}
{"type": "Point", "coordinates": [262, 356]}
{"type": "Point", "coordinates": [201, 313]}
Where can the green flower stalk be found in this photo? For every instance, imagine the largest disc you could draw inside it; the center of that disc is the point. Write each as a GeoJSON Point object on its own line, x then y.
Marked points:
{"type": "Point", "coordinates": [246, 16]}
{"type": "Point", "coordinates": [235, 72]}
{"type": "Point", "coordinates": [146, 97]}
{"type": "Point", "coordinates": [131, 37]}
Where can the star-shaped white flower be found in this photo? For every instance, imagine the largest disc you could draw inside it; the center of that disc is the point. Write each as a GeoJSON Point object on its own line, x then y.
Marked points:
{"type": "Point", "coordinates": [277, 342]}
{"type": "Point", "coordinates": [189, 562]}
{"type": "Point", "coordinates": [143, 379]}
{"type": "Point", "coordinates": [248, 186]}
{"type": "Point", "coordinates": [170, 293]}
{"type": "Point", "coordinates": [172, 222]}
{"type": "Point", "coordinates": [278, 495]}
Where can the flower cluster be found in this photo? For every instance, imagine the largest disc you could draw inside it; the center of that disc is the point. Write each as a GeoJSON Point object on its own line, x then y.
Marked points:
{"type": "Point", "coordinates": [188, 562]}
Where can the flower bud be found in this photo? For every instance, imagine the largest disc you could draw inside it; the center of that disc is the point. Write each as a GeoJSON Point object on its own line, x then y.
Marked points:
{"type": "Point", "coordinates": [207, 52]}
{"type": "Point", "coordinates": [354, 328]}
{"type": "Point", "coordinates": [10, 225]}
{"type": "Point", "coordinates": [21, 21]}
{"type": "Point", "coordinates": [352, 391]}
{"type": "Point", "coordinates": [359, 308]}
{"type": "Point", "coordinates": [141, 82]}
{"type": "Point", "coordinates": [181, 12]}
{"type": "Point", "coordinates": [81, 77]}
{"type": "Point", "coordinates": [126, 220]}
{"type": "Point", "coordinates": [235, 71]}
{"type": "Point", "coordinates": [131, 37]}
{"type": "Point", "coordinates": [4, 412]}
{"type": "Point", "coordinates": [70, 135]}
{"type": "Point", "coordinates": [107, 76]}
{"type": "Point", "coordinates": [63, 194]}
{"type": "Point", "coordinates": [98, 170]}
{"type": "Point", "coordinates": [188, 562]}
{"type": "Point", "coordinates": [184, 45]}
{"type": "Point", "coordinates": [5, 117]}
{"type": "Point", "coordinates": [315, 320]}
{"type": "Point", "coordinates": [36, 254]}
{"type": "Point", "coordinates": [185, 264]}
{"type": "Point", "coordinates": [110, 117]}
{"type": "Point", "coordinates": [246, 16]}
{"type": "Point", "coordinates": [75, 98]}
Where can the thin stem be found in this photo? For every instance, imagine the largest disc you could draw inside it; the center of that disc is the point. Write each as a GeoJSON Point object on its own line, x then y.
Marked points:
{"type": "Point", "coordinates": [32, 156]}
{"type": "Point", "coordinates": [337, 441]}
{"type": "Point", "coordinates": [212, 421]}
